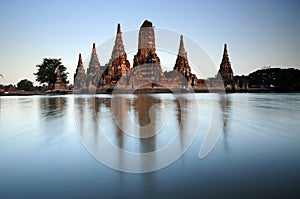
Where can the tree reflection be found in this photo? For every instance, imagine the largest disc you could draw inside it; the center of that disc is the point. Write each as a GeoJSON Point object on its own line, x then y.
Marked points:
{"type": "Point", "coordinates": [53, 107]}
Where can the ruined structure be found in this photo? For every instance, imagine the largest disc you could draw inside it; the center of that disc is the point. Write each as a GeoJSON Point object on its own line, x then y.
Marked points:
{"type": "Point", "coordinates": [146, 70]}
{"type": "Point", "coordinates": [118, 64]}
{"type": "Point", "coordinates": [146, 63]}
{"type": "Point", "coordinates": [80, 75]}
{"type": "Point", "coordinates": [182, 64]}
{"type": "Point", "coordinates": [59, 85]}
{"type": "Point", "coordinates": [225, 71]}
{"type": "Point", "coordinates": [94, 70]}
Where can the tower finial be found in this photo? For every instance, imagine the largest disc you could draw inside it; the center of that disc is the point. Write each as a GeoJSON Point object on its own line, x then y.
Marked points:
{"type": "Point", "coordinates": [181, 45]}
{"type": "Point", "coordinates": [181, 50]}
{"type": "Point", "coordinates": [146, 24]}
{"type": "Point", "coordinates": [80, 60]}
{"type": "Point", "coordinates": [119, 28]}
{"type": "Point", "coordinates": [94, 49]}
{"type": "Point", "coordinates": [225, 54]}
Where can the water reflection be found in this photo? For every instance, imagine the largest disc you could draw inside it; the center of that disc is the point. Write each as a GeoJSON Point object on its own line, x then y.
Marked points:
{"type": "Point", "coordinates": [138, 124]}
{"type": "Point", "coordinates": [17, 114]}
{"type": "Point", "coordinates": [52, 107]}
{"type": "Point", "coordinates": [182, 117]}
{"type": "Point", "coordinates": [146, 110]}
{"type": "Point", "coordinates": [47, 156]}
{"type": "Point", "coordinates": [81, 112]}
{"type": "Point", "coordinates": [225, 104]}
{"type": "Point", "coordinates": [120, 108]}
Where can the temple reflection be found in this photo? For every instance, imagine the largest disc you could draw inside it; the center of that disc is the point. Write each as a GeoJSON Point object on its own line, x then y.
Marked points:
{"type": "Point", "coordinates": [225, 105]}
{"type": "Point", "coordinates": [113, 127]}
{"type": "Point", "coordinates": [146, 112]}
{"type": "Point", "coordinates": [182, 117]}
{"type": "Point", "coordinates": [80, 113]}
{"type": "Point", "coordinates": [119, 107]}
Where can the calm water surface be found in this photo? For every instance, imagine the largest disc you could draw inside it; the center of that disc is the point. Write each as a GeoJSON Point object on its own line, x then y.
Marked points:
{"type": "Point", "coordinates": [49, 146]}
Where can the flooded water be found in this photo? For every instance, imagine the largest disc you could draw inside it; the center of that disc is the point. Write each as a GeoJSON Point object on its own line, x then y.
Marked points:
{"type": "Point", "coordinates": [67, 146]}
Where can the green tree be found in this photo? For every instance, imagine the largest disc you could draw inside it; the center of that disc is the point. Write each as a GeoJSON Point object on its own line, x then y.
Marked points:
{"type": "Point", "coordinates": [25, 85]}
{"type": "Point", "coordinates": [43, 88]}
{"type": "Point", "coordinates": [46, 72]}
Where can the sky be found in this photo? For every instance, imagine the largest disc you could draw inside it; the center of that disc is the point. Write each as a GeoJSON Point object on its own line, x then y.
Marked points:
{"type": "Point", "coordinates": [258, 32]}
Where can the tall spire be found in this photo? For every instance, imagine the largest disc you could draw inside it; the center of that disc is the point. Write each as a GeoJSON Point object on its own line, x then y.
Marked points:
{"type": "Point", "coordinates": [80, 76]}
{"type": "Point", "coordinates": [94, 61]}
{"type": "Point", "coordinates": [225, 59]}
{"type": "Point", "coordinates": [225, 70]}
{"type": "Point", "coordinates": [181, 50]}
{"type": "Point", "coordinates": [118, 49]}
{"type": "Point", "coordinates": [94, 68]}
{"type": "Point", "coordinates": [59, 85]}
{"type": "Point", "coordinates": [94, 54]}
{"type": "Point", "coordinates": [118, 64]}
{"type": "Point", "coordinates": [182, 64]}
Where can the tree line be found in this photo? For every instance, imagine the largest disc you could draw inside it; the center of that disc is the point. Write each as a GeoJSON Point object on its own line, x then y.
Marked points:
{"type": "Point", "coordinates": [45, 75]}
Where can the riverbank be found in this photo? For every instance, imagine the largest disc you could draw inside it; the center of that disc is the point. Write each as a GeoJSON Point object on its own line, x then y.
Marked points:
{"type": "Point", "coordinates": [111, 90]}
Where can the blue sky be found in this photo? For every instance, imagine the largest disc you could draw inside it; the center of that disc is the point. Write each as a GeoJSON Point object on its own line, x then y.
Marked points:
{"type": "Point", "coordinates": [258, 33]}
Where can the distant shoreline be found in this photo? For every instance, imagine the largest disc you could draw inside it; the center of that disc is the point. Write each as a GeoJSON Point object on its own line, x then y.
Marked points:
{"type": "Point", "coordinates": [150, 91]}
